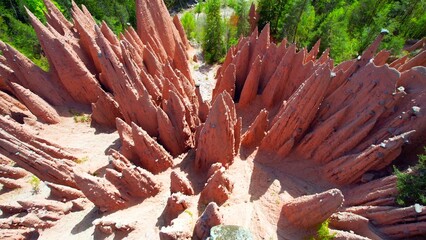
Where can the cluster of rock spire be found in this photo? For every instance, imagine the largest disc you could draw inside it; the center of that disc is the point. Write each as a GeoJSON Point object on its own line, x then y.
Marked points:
{"type": "Point", "coordinates": [276, 100]}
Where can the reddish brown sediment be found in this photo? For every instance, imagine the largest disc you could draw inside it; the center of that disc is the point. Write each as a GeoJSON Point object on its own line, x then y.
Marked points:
{"type": "Point", "coordinates": [217, 189]}
{"type": "Point", "coordinates": [301, 124]}
{"type": "Point", "coordinates": [10, 183]}
{"type": "Point", "coordinates": [208, 219]}
{"type": "Point", "coordinates": [64, 192]}
{"type": "Point", "coordinates": [12, 172]}
{"type": "Point", "coordinates": [100, 191]}
{"type": "Point", "coordinates": [219, 131]}
{"type": "Point", "coordinates": [41, 109]}
{"type": "Point", "coordinates": [318, 206]}
{"type": "Point", "coordinates": [179, 183]}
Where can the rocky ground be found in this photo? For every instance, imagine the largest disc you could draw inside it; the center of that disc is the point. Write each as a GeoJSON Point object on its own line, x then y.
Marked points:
{"type": "Point", "coordinates": [276, 140]}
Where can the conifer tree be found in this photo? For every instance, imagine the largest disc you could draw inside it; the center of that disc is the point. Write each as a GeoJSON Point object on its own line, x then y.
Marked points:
{"type": "Point", "coordinates": [213, 41]}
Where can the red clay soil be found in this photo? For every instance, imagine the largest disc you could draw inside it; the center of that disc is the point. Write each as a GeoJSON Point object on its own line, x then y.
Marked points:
{"type": "Point", "coordinates": [288, 140]}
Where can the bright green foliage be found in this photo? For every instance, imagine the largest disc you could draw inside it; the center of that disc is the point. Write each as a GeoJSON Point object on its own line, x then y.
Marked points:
{"type": "Point", "coordinates": [231, 31]}
{"type": "Point", "coordinates": [193, 21]}
{"type": "Point", "coordinates": [213, 41]}
{"type": "Point", "coordinates": [241, 11]}
{"type": "Point", "coordinates": [82, 118]}
{"type": "Point", "coordinates": [35, 184]}
{"type": "Point", "coordinates": [189, 24]}
{"type": "Point", "coordinates": [270, 11]}
{"type": "Point", "coordinates": [82, 160]}
{"type": "Point", "coordinates": [346, 26]}
{"type": "Point", "coordinates": [21, 36]}
{"type": "Point", "coordinates": [231, 3]}
{"type": "Point", "coordinates": [199, 7]}
{"type": "Point", "coordinates": [35, 6]}
{"type": "Point", "coordinates": [323, 232]}
{"type": "Point", "coordinates": [333, 32]}
{"type": "Point", "coordinates": [304, 34]}
{"type": "Point", "coordinates": [290, 23]}
{"type": "Point", "coordinates": [217, 25]}
{"type": "Point", "coordinates": [412, 186]}
{"type": "Point", "coordinates": [117, 14]}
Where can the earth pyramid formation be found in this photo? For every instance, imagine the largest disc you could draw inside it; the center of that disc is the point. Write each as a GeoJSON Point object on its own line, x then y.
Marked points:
{"type": "Point", "coordinates": [282, 120]}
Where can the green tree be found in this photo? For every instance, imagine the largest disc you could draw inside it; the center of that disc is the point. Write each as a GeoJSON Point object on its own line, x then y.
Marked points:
{"type": "Point", "coordinates": [334, 33]}
{"type": "Point", "coordinates": [242, 10]}
{"type": "Point", "coordinates": [270, 11]}
{"type": "Point", "coordinates": [189, 24]}
{"type": "Point", "coordinates": [21, 36]}
{"type": "Point", "coordinates": [213, 41]}
{"type": "Point", "coordinates": [304, 32]}
{"type": "Point", "coordinates": [291, 17]}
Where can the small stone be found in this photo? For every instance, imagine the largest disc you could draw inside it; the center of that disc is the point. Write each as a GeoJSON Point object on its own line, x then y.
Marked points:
{"type": "Point", "coordinates": [418, 208]}
{"type": "Point", "coordinates": [416, 109]}
{"type": "Point", "coordinates": [401, 89]}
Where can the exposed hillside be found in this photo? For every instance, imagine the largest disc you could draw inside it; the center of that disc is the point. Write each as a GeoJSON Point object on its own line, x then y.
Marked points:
{"type": "Point", "coordinates": [290, 146]}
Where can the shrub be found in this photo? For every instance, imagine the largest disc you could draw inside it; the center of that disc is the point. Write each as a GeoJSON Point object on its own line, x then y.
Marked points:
{"type": "Point", "coordinates": [323, 232]}
{"type": "Point", "coordinates": [242, 11]}
{"type": "Point", "coordinates": [81, 160]}
{"type": "Point", "coordinates": [213, 41]}
{"type": "Point", "coordinates": [80, 117]}
{"type": "Point", "coordinates": [412, 186]}
{"type": "Point", "coordinates": [35, 184]}
{"type": "Point", "coordinates": [188, 23]}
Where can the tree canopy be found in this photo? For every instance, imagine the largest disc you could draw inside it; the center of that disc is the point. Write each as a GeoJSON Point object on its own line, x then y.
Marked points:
{"type": "Point", "coordinates": [346, 26]}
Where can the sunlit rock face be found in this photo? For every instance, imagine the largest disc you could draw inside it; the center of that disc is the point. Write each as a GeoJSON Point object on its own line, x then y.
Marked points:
{"type": "Point", "coordinates": [280, 117]}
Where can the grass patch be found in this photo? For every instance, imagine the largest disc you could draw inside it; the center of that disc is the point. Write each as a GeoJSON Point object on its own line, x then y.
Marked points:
{"type": "Point", "coordinates": [80, 117]}
{"type": "Point", "coordinates": [81, 160]}
{"type": "Point", "coordinates": [35, 184]}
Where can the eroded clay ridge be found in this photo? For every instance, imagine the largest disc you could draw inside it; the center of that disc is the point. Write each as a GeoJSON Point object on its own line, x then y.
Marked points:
{"type": "Point", "coordinates": [269, 100]}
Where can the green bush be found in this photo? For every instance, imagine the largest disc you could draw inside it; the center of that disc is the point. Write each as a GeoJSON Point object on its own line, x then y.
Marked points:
{"type": "Point", "coordinates": [412, 186]}
{"type": "Point", "coordinates": [323, 232]}
{"type": "Point", "coordinates": [242, 11]}
{"type": "Point", "coordinates": [22, 37]}
{"type": "Point", "coordinates": [213, 42]}
{"type": "Point", "coordinates": [35, 184]}
{"type": "Point", "coordinates": [189, 24]}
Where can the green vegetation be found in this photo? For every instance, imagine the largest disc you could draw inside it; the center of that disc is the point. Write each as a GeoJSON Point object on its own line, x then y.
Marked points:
{"type": "Point", "coordinates": [241, 12]}
{"type": "Point", "coordinates": [217, 25]}
{"type": "Point", "coordinates": [35, 184]}
{"type": "Point", "coordinates": [189, 24]}
{"type": "Point", "coordinates": [323, 232]}
{"type": "Point", "coordinates": [346, 26]}
{"type": "Point", "coordinates": [81, 118]}
{"type": "Point", "coordinates": [16, 30]}
{"type": "Point", "coordinates": [213, 41]}
{"type": "Point", "coordinates": [412, 186]}
{"type": "Point", "coordinates": [81, 160]}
